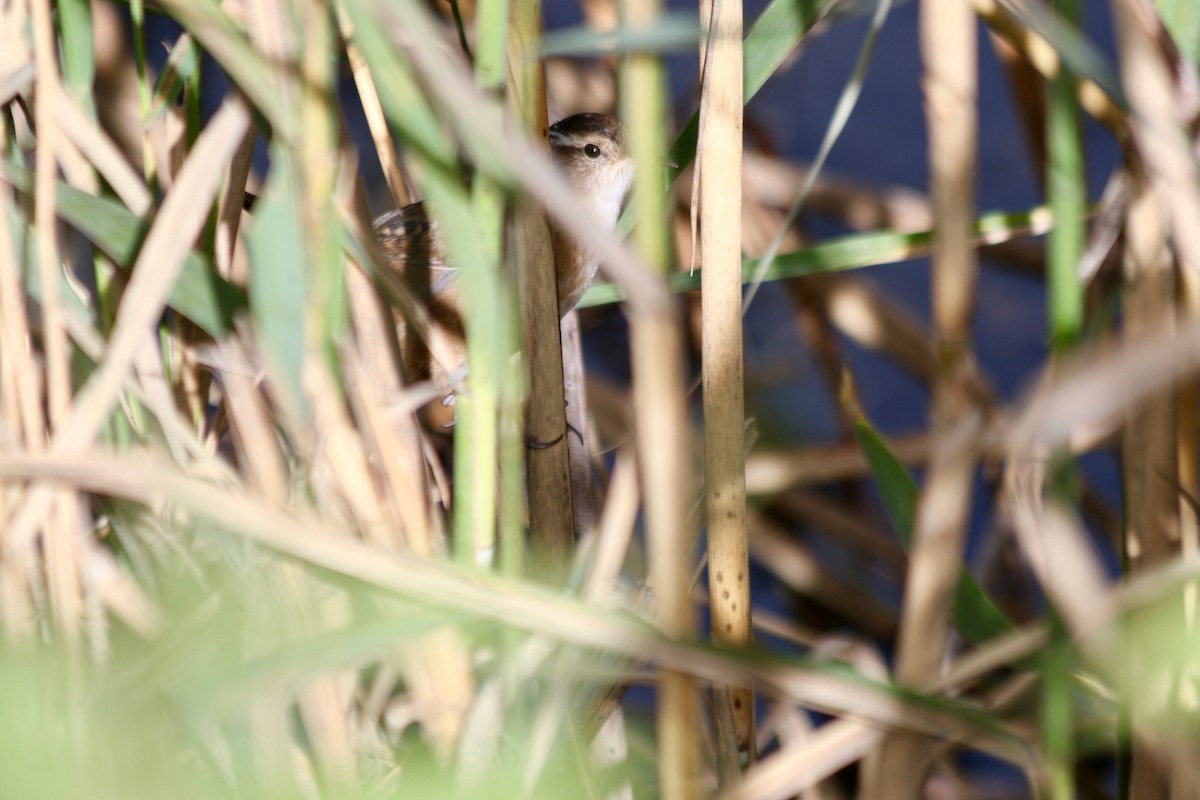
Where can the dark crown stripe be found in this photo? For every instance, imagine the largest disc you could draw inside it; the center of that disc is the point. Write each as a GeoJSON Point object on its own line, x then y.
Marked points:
{"type": "Point", "coordinates": [580, 126]}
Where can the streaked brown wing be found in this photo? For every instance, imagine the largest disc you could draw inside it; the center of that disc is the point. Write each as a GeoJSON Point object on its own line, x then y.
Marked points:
{"type": "Point", "coordinates": [413, 249]}
{"type": "Point", "coordinates": [408, 236]}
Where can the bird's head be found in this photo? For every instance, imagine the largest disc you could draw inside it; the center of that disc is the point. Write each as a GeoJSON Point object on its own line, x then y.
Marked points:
{"type": "Point", "coordinates": [590, 150]}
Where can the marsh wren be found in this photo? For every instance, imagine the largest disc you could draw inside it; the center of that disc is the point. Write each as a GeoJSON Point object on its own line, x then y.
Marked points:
{"type": "Point", "coordinates": [589, 149]}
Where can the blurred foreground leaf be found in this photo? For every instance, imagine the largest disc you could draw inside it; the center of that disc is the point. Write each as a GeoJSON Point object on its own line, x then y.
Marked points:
{"type": "Point", "coordinates": [672, 32]}
{"type": "Point", "coordinates": [1182, 19]}
{"type": "Point", "coordinates": [279, 280]}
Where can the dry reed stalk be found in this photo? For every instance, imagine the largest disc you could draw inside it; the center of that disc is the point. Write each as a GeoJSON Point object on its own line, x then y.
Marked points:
{"type": "Point", "coordinates": [1164, 146]}
{"type": "Point", "coordinates": [1065, 563]}
{"type": "Point", "coordinates": [719, 162]}
{"type": "Point", "coordinates": [948, 46]}
{"type": "Point", "coordinates": [551, 519]}
{"type": "Point", "coordinates": [61, 526]}
{"type": "Point", "coordinates": [1045, 59]}
{"type": "Point", "coordinates": [1029, 97]}
{"type": "Point", "coordinates": [228, 245]}
{"type": "Point", "coordinates": [1150, 470]}
{"type": "Point", "coordinates": [580, 450]}
{"type": "Point", "coordinates": [263, 463]}
{"type": "Point", "coordinates": [436, 665]}
{"type": "Point", "coordinates": [98, 150]}
{"type": "Point", "coordinates": [663, 438]}
{"type": "Point", "coordinates": [1164, 200]}
{"type": "Point", "coordinates": [396, 450]}
{"type": "Point", "coordinates": [801, 764]}
{"type": "Point", "coordinates": [1158, 456]}
{"type": "Point", "coordinates": [615, 530]}
{"type": "Point", "coordinates": [1188, 456]}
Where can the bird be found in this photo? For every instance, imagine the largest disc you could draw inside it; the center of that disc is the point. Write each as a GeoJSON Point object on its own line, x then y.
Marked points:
{"type": "Point", "coordinates": [589, 149]}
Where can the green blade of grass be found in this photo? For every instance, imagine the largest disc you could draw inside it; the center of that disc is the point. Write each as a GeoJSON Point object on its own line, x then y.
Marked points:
{"type": "Point", "coordinates": [975, 615]}
{"type": "Point", "coordinates": [1066, 191]}
{"type": "Point", "coordinates": [78, 56]}
{"type": "Point", "coordinates": [854, 252]}
{"type": "Point", "coordinates": [200, 295]}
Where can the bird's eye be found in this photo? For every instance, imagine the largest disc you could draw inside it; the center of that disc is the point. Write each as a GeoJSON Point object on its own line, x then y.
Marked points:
{"type": "Point", "coordinates": [592, 150]}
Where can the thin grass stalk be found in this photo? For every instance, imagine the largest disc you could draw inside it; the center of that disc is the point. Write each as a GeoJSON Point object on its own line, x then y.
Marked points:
{"type": "Point", "coordinates": [476, 430]}
{"type": "Point", "coordinates": [1188, 420]}
{"type": "Point", "coordinates": [719, 159]}
{"type": "Point", "coordinates": [229, 212]}
{"type": "Point", "coordinates": [1165, 200]}
{"type": "Point", "coordinates": [662, 433]}
{"type": "Point", "coordinates": [837, 123]}
{"type": "Point", "coordinates": [1029, 99]}
{"type": "Point", "coordinates": [948, 46]}
{"type": "Point", "coordinates": [477, 448]}
{"type": "Point", "coordinates": [368, 96]}
{"type": "Point", "coordinates": [1066, 193]}
{"type": "Point", "coordinates": [137, 14]}
{"type": "Point", "coordinates": [16, 331]}
{"type": "Point", "coordinates": [1149, 453]}
{"type": "Point", "coordinates": [23, 380]}
{"type": "Point", "coordinates": [79, 73]}
{"type": "Point", "coordinates": [1057, 714]}
{"type": "Point", "coordinates": [1158, 125]}
{"type": "Point", "coordinates": [1045, 59]}
{"type": "Point", "coordinates": [61, 543]}
{"type": "Point", "coordinates": [584, 505]}
{"type": "Point", "coordinates": [551, 520]}
{"type": "Point", "coordinates": [326, 314]}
